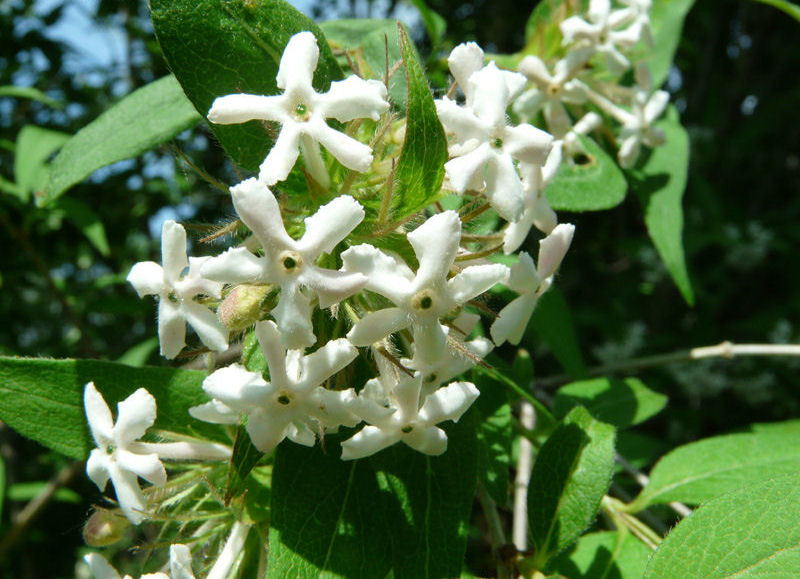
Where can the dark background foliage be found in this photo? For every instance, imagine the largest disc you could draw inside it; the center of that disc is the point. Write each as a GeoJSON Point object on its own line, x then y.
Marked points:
{"type": "Point", "coordinates": [735, 83]}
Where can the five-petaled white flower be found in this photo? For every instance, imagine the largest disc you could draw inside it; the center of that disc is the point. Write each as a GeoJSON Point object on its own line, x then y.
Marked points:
{"type": "Point", "coordinates": [531, 282]}
{"type": "Point", "coordinates": [421, 298]}
{"type": "Point", "coordinates": [176, 291]}
{"type": "Point", "coordinates": [288, 262]}
{"type": "Point", "coordinates": [486, 147]}
{"type": "Point", "coordinates": [302, 112]}
{"type": "Point", "coordinates": [637, 125]}
{"type": "Point", "coordinates": [293, 404]}
{"type": "Point", "coordinates": [117, 456]}
{"type": "Point", "coordinates": [180, 566]}
{"type": "Point", "coordinates": [404, 420]}
{"type": "Point", "coordinates": [466, 59]}
{"type": "Point", "coordinates": [602, 33]}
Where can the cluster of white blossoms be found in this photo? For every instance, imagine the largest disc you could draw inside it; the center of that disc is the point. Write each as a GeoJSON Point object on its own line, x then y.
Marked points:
{"type": "Point", "coordinates": [321, 289]}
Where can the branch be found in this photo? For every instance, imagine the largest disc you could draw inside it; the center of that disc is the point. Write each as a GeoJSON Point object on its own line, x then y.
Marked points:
{"type": "Point", "coordinates": [519, 533]}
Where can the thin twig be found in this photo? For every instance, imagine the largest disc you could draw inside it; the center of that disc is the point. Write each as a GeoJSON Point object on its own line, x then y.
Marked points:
{"type": "Point", "coordinates": [496, 532]}
{"type": "Point", "coordinates": [519, 533]}
{"type": "Point", "coordinates": [726, 350]}
{"type": "Point", "coordinates": [643, 480]}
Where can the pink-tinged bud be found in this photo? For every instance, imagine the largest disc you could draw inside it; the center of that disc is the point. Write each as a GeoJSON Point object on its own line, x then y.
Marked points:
{"type": "Point", "coordinates": [246, 304]}
{"type": "Point", "coordinates": [104, 528]}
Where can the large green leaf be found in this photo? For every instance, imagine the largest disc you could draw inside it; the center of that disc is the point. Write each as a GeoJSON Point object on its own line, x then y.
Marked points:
{"type": "Point", "coordinates": [571, 474]}
{"type": "Point", "coordinates": [494, 437]}
{"type": "Point", "coordinates": [659, 182]}
{"type": "Point", "coordinates": [666, 18]}
{"type": "Point", "coordinates": [217, 48]}
{"type": "Point", "coordinates": [369, 39]}
{"type": "Point", "coordinates": [708, 468]}
{"type": "Point", "coordinates": [618, 402]}
{"type": "Point", "coordinates": [428, 502]}
{"type": "Point", "coordinates": [42, 399]}
{"type": "Point", "coordinates": [604, 555]}
{"type": "Point", "coordinates": [34, 147]}
{"type": "Point", "coordinates": [420, 169]}
{"type": "Point", "coordinates": [552, 322]}
{"type": "Point", "coordinates": [749, 532]}
{"type": "Point", "coordinates": [592, 182]}
{"type": "Point", "coordinates": [145, 118]}
{"type": "Point", "coordinates": [326, 515]}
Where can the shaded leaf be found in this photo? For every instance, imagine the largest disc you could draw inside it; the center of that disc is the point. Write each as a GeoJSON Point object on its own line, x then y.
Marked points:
{"type": "Point", "coordinates": [34, 147]}
{"type": "Point", "coordinates": [788, 8]}
{"type": "Point", "coordinates": [87, 221]}
{"type": "Point", "coordinates": [33, 391]}
{"type": "Point", "coordinates": [607, 555]}
{"type": "Point", "coordinates": [218, 48]}
{"type": "Point", "coordinates": [494, 438]}
{"type": "Point", "coordinates": [619, 402]}
{"type": "Point", "coordinates": [145, 118]}
{"type": "Point", "coordinates": [552, 322]}
{"type": "Point", "coordinates": [666, 20]}
{"type": "Point", "coordinates": [749, 532]}
{"type": "Point", "coordinates": [571, 474]}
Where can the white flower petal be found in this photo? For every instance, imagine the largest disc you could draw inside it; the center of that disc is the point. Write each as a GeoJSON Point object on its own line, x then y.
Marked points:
{"type": "Point", "coordinates": [205, 322]}
{"type": "Point", "coordinates": [536, 70]}
{"type": "Point", "coordinates": [435, 243]}
{"type": "Point", "coordinates": [332, 286]}
{"type": "Point", "coordinates": [269, 338]}
{"type": "Point", "coordinates": [215, 412]}
{"type": "Point", "coordinates": [325, 362]}
{"type": "Point", "coordinates": [655, 105]}
{"type": "Point", "coordinates": [334, 408]}
{"type": "Point", "coordinates": [171, 329]}
{"type": "Point", "coordinates": [301, 433]}
{"type": "Point", "coordinates": [129, 495]}
{"type": "Point", "coordinates": [329, 225]}
{"type": "Point", "coordinates": [147, 466]}
{"type": "Point", "coordinates": [266, 430]}
{"type": "Point", "coordinates": [383, 272]}
{"type": "Point", "coordinates": [375, 326]}
{"type": "Point", "coordinates": [98, 415]}
{"type": "Point", "coordinates": [553, 248]}
{"type": "Point", "coordinates": [99, 567]}
{"type": "Point", "coordinates": [527, 143]}
{"type": "Point", "coordinates": [460, 121]}
{"type": "Point", "coordinates": [236, 265]}
{"type": "Point", "coordinates": [504, 187]}
{"type": "Point", "coordinates": [524, 278]}
{"type": "Point", "coordinates": [180, 562]}
{"type": "Point", "coordinates": [448, 403]}
{"type": "Point", "coordinates": [367, 442]}
{"type": "Point", "coordinates": [283, 155]}
{"type": "Point", "coordinates": [240, 108]}
{"type": "Point", "coordinates": [348, 151]}
{"type": "Point", "coordinates": [193, 283]}
{"type": "Point", "coordinates": [293, 315]}
{"type": "Point", "coordinates": [515, 82]}
{"type": "Point", "coordinates": [97, 467]}
{"type": "Point", "coordinates": [464, 60]}
{"type": "Point", "coordinates": [463, 170]}
{"type": "Point", "coordinates": [430, 340]}
{"type": "Point", "coordinates": [406, 395]}
{"type": "Point", "coordinates": [529, 103]}
{"type": "Point", "coordinates": [628, 152]}
{"type": "Point", "coordinates": [476, 279]}
{"type": "Point", "coordinates": [513, 319]}
{"type": "Point", "coordinates": [135, 415]}
{"type": "Point", "coordinates": [515, 233]}
{"type": "Point", "coordinates": [576, 27]}
{"type": "Point", "coordinates": [147, 278]}
{"type": "Point", "coordinates": [489, 95]}
{"type": "Point", "coordinates": [556, 117]}
{"type": "Point", "coordinates": [236, 388]}
{"type": "Point", "coordinates": [353, 98]}
{"type": "Point", "coordinates": [431, 441]}
{"type": "Point", "coordinates": [298, 63]}
{"type": "Point", "coordinates": [173, 251]}
{"type": "Point", "coordinates": [315, 165]}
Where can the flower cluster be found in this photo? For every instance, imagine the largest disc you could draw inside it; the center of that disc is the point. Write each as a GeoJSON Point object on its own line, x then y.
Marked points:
{"type": "Point", "coordinates": [317, 289]}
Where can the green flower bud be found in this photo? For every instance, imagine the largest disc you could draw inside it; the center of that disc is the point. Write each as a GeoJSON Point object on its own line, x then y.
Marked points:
{"type": "Point", "coordinates": [246, 304]}
{"type": "Point", "coordinates": [104, 528]}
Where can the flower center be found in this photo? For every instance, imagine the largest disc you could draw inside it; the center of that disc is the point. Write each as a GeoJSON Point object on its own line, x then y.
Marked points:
{"type": "Point", "coordinates": [423, 301]}
{"type": "Point", "coordinates": [497, 143]}
{"type": "Point", "coordinates": [407, 429]}
{"type": "Point", "coordinates": [431, 379]}
{"type": "Point", "coordinates": [284, 398]}
{"type": "Point", "coordinates": [553, 90]}
{"type": "Point", "coordinates": [301, 112]}
{"type": "Point", "coordinates": [291, 262]}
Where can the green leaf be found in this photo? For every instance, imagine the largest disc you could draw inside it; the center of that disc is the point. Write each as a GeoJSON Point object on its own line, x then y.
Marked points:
{"type": "Point", "coordinates": [494, 438]}
{"type": "Point", "coordinates": [428, 502]}
{"type": "Point", "coordinates": [542, 33]}
{"type": "Point", "coordinates": [435, 25]}
{"type": "Point", "coordinates": [327, 517]}
{"type": "Point", "coordinates": [218, 48]}
{"type": "Point", "coordinates": [619, 402]}
{"type": "Point", "coordinates": [139, 354]}
{"type": "Point", "coordinates": [571, 474]}
{"type": "Point", "coordinates": [420, 169]}
{"type": "Point", "coordinates": [42, 399]}
{"type": "Point", "coordinates": [27, 491]}
{"type": "Point", "coordinates": [34, 147]}
{"type": "Point", "coordinates": [552, 322]}
{"type": "Point", "coordinates": [659, 182]}
{"type": "Point", "coordinates": [28, 92]}
{"type": "Point", "coordinates": [749, 532]}
{"type": "Point", "coordinates": [608, 554]}
{"type": "Point", "coordinates": [591, 183]}
{"type": "Point", "coordinates": [666, 21]}
{"type": "Point", "coordinates": [708, 468]}
{"type": "Point", "coordinates": [245, 457]}
{"type": "Point", "coordinates": [789, 8]}
{"type": "Point", "coordinates": [87, 221]}
{"type": "Point", "coordinates": [145, 118]}
{"type": "Point", "coordinates": [369, 39]}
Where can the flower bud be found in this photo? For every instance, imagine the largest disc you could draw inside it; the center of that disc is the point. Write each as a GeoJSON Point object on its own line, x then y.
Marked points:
{"type": "Point", "coordinates": [104, 528]}
{"type": "Point", "coordinates": [246, 304]}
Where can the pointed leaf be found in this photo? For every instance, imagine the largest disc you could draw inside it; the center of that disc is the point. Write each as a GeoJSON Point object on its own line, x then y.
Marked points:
{"type": "Point", "coordinates": [219, 48]}
{"type": "Point", "coordinates": [607, 554]}
{"type": "Point", "coordinates": [619, 402]}
{"type": "Point", "coordinates": [28, 92]}
{"type": "Point", "coordinates": [552, 322]}
{"type": "Point", "coordinates": [494, 438]}
{"type": "Point", "coordinates": [34, 147]}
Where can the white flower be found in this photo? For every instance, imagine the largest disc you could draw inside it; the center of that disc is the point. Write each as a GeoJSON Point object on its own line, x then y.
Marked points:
{"type": "Point", "coordinates": [287, 262]}
{"type": "Point", "coordinates": [637, 126]}
{"type": "Point", "coordinates": [638, 12]}
{"type": "Point", "coordinates": [551, 91]}
{"type": "Point", "coordinates": [293, 404]}
{"type": "Point", "coordinates": [531, 282]}
{"type": "Point", "coordinates": [424, 297]}
{"type": "Point", "coordinates": [180, 566]}
{"type": "Point", "coordinates": [466, 59]}
{"type": "Point", "coordinates": [176, 305]}
{"type": "Point", "coordinates": [302, 113]}
{"type": "Point", "coordinates": [404, 420]}
{"type": "Point", "coordinates": [117, 456]}
{"type": "Point", "coordinates": [537, 208]}
{"type": "Point", "coordinates": [230, 552]}
{"type": "Point", "coordinates": [585, 125]}
{"type": "Point", "coordinates": [486, 147]}
{"type": "Point", "coordinates": [601, 33]}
